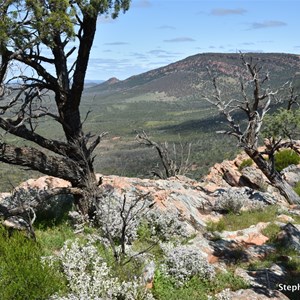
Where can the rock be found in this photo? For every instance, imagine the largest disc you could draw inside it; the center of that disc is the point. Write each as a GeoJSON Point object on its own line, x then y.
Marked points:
{"type": "Point", "coordinates": [290, 236]}
{"type": "Point", "coordinates": [15, 223]}
{"type": "Point", "coordinates": [285, 219]}
{"type": "Point", "coordinates": [31, 193]}
{"type": "Point", "coordinates": [181, 196]}
{"type": "Point", "coordinates": [246, 198]}
{"type": "Point", "coordinates": [291, 174]}
{"type": "Point", "coordinates": [215, 178]}
{"type": "Point", "coordinates": [255, 294]}
{"type": "Point", "coordinates": [241, 245]}
{"type": "Point", "coordinates": [264, 278]}
{"type": "Point", "coordinates": [259, 252]}
{"type": "Point", "coordinates": [44, 183]}
{"type": "Point", "coordinates": [250, 236]}
{"type": "Point", "coordinates": [227, 173]}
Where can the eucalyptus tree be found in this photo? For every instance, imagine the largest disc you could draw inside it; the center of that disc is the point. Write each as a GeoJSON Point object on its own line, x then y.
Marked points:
{"type": "Point", "coordinates": [38, 36]}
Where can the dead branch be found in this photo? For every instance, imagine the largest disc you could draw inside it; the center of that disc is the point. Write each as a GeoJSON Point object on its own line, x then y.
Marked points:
{"type": "Point", "coordinates": [255, 107]}
{"type": "Point", "coordinates": [174, 163]}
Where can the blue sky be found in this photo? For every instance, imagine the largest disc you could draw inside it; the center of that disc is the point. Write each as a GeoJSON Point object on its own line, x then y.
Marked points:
{"type": "Point", "coordinates": [154, 33]}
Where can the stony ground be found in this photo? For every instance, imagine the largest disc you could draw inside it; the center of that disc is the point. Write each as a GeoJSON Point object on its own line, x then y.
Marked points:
{"type": "Point", "coordinates": [198, 204]}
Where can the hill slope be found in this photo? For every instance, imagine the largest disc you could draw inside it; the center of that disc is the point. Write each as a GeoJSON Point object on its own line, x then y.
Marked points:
{"type": "Point", "coordinates": [167, 104]}
{"type": "Point", "coordinates": [189, 76]}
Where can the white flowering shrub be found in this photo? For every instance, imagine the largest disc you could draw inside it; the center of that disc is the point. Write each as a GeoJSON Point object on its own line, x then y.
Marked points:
{"type": "Point", "coordinates": [230, 202]}
{"type": "Point", "coordinates": [89, 277]}
{"type": "Point", "coordinates": [224, 295]}
{"type": "Point", "coordinates": [184, 262]}
{"type": "Point", "coordinates": [113, 212]}
{"type": "Point", "coordinates": [118, 219]}
{"type": "Point", "coordinates": [165, 225]}
{"type": "Point", "coordinates": [235, 200]}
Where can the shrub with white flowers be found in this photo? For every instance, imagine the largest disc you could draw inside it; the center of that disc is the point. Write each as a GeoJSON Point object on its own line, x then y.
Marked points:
{"type": "Point", "coordinates": [184, 262]}
{"type": "Point", "coordinates": [234, 200]}
{"type": "Point", "coordinates": [89, 277]}
{"type": "Point", "coordinates": [118, 219]}
{"type": "Point", "coordinates": [224, 295]}
{"type": "Point", "coordinates": [165, 225]}
{"type": "Point", "coordinates": [230, 202]}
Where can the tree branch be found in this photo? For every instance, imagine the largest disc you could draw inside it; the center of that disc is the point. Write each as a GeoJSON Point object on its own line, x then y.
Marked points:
{"type": "Point", "coordinates": [39, 161]}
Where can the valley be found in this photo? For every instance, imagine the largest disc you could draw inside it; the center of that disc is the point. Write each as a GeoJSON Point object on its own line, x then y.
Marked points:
{"type": "Point", "coordinates": [167, 103]}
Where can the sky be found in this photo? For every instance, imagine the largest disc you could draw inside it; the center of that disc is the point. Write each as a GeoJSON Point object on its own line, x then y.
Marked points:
{"type": "Point", "coordinates": [155, 33]}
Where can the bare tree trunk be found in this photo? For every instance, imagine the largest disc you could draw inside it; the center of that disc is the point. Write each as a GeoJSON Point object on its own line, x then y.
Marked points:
{"type": "Point", "coordinates": [255, 106]}
{"type": "Point", "coordinates": [37, 160]}
{"type": "Point", "coordinates": [274, 177]}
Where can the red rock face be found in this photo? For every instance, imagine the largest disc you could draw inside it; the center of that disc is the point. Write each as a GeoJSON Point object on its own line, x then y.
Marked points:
{"type": "Point", "coordinates": [45, 182]}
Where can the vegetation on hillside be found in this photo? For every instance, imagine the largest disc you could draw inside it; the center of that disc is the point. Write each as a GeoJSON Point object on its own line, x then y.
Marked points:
{"type": "Point", "coordinates": [106, 244]}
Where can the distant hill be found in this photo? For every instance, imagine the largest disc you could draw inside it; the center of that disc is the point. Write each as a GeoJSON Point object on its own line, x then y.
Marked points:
{"type": "Point", "coordinates": [189, 76]}
{"type": "Point", "coordinates": [89, 83]}
{"type": "Point", "coordinates": [167, 103]}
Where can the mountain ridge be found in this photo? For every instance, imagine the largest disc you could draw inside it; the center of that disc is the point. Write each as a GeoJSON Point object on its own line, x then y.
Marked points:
{"type": "Point", "coordinates": [188, 76]}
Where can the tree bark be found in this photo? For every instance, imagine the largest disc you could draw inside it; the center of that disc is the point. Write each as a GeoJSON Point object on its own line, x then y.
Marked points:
{"type": "Point", "coordinates": [274, 177]}
{"type": "Point", "coordinates": [36, 160]}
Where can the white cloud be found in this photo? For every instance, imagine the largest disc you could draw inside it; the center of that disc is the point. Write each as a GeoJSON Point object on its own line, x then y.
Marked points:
{"type": "Point", "coordinates": [180, 40]}
{"type": "Point", "coordinates": [227, 12]}
{"type": "Point", "coordinates": [163, 27]}
{"type": "Point", "coordinates": [267, 24]}
{"type": "Point", "coordinates": [116, 43]}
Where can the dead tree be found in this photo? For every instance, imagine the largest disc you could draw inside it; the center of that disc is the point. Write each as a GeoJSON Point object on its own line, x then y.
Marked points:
{"type": "Point", "coordinates": [255, 105]}
{"type": "Point", "coordinates": [174, 162]}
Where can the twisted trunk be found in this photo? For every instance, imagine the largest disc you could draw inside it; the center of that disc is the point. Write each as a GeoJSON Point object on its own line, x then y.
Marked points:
{"type": "Point", "coordinates": [274, 177]}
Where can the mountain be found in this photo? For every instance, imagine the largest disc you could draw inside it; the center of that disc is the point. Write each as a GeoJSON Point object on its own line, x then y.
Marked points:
{"type": "Point", "coordinates": [167, 103]}
{"type": "Point", "coordinates": [189, 76]}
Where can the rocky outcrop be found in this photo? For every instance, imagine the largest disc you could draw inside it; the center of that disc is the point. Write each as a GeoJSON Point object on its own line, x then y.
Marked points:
{"type": "Point", "coordinates": [195, 203]}
{"type": "Point", "coordinates": [290, 235]}
{"type": "Point", "coordinates": [254, 294]}
{"type": "Point", "coordinates": [231, 173]}
{"type": "Point", "coordinates": [178, 195]}
{"type": "Point", "coordinates": [31, 200]}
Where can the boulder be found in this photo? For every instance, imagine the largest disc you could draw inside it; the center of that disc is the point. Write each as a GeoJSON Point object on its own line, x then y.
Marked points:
{"type": "Point", "coordinates": [291, 174]}
{"type": "Point", "coordinates": [253, 178]}
{"type": "Point", "coordinates": [253, 294]}
{"type": "Point", "coordinates": [33, 194]}
{"type": "Point", "coordinates": [177, 195]}
{"type": "Point", "coordinates": [290, 236]}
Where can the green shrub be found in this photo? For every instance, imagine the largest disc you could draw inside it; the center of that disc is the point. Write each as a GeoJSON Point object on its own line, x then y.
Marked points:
{"type": "Point", "coordinates": [244, 220]}
{"type": "Point", "coordinates": [23, 276]}
{"type": "Point", "coordinates": [271, 231]}
{"type": "Point", "coordinates": [196, 288]}
{"type": "Point", "coordinates": [216, 226]}
{"type": "Point", "coordinates": [297, 188]}
{"type": "Point", "coordinates": [53, 238]}
{"type": "Point", "coordinates": [245, 163]}
{"type": "Point", "coordinates": [286, 158]}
